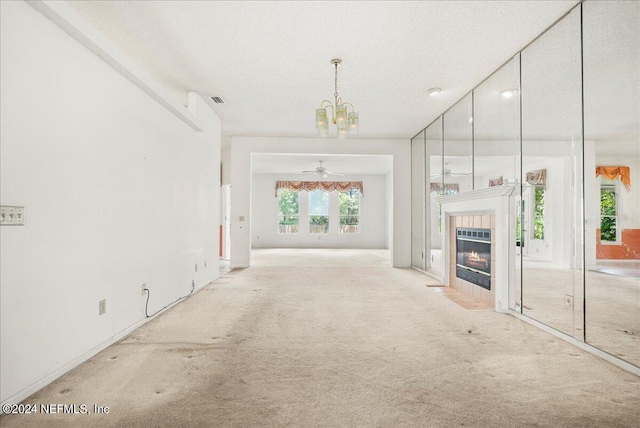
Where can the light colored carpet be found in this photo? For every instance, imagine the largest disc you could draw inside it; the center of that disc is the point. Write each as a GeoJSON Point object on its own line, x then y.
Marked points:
{"type": "Point", "coordinates": [359, 344]}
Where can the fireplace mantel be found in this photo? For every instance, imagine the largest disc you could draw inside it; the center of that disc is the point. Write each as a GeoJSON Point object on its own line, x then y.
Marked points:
{"type": "Point", "coordinates": [498, 202]}
{"type": "Point", "coordinates": [489, 192]}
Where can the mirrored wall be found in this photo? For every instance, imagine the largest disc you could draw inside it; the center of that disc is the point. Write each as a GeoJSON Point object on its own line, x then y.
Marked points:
{"type": "Point", "coordinates": [560, 124]}
{"type": "Point", "coordinates": [611, 39]}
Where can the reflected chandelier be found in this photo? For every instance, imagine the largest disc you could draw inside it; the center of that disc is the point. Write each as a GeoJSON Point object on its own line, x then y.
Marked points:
{"type": "Point", "coordinates": [347, 123]}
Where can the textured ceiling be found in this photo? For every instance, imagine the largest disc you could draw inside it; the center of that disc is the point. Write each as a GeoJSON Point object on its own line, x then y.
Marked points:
{"type": "Point", "coordinates": [270, 60]}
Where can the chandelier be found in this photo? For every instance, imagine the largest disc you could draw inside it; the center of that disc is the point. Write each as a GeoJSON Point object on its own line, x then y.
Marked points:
{"type": "Point", "coordinates": [346, 122]}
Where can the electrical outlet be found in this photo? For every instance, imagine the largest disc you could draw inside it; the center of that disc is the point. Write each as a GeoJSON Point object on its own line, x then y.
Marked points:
{"type": "Point", "coordinates": [568, 301]}
{"type": "Point", "coordinates": [144, 286]}
{"type": "Point", "coordinates": [11, 216]}
{"type": "Point", "coordinates": [102, 307]}
{"type": "Point", "coordinates": [196, 267]}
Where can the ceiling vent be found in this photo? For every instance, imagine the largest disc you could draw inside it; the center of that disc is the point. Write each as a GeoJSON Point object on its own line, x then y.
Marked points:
{"type": "Point", "coordinates": [217, 100]}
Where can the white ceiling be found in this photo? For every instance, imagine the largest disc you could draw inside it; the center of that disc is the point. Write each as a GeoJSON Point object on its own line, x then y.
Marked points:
{"type": "Point", "coordinates": [270, 60]}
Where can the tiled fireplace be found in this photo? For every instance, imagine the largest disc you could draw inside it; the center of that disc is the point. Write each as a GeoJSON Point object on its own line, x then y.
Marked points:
{"type": "Point", "coordinates": [480, 246]}
{"type": "Point", "coordinates": [472, 262]}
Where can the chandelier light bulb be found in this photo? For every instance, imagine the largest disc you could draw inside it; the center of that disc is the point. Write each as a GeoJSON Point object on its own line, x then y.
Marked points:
{"type": "Point", "coordinates": [354, 123]}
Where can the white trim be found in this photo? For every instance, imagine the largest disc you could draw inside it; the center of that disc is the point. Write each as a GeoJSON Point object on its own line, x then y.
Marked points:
{"type": "Point", "coordinates": [65, 17]}
{"type": "Point", "coordinates": [582, 345]}
{"type": "Point", "coordinates": [56, 374]}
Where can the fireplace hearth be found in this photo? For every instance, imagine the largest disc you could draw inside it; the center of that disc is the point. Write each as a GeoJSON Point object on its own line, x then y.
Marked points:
{"type": "Point", "coordinates": [473, 256]}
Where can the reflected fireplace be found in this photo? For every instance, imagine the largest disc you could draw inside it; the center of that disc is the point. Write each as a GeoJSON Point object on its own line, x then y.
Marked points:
{"type": "Point", "coordinates": [473, 256]}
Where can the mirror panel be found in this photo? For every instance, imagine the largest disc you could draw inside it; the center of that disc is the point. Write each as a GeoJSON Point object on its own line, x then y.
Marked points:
{"type": "Point", "coordinates": [435, 222]}
{"type": "Point", "coordinates": [611, 31]}
{"type": "Point", "coordinates": [417, 200]}
{"type": "Point", "coordinates": [496, 160]}
{"type": "Point", "coordinates": [551, 176]}
{"type": "Point", "coordinates": [496, 126]}
{"type": "Point", "coordinates": [458, 145]}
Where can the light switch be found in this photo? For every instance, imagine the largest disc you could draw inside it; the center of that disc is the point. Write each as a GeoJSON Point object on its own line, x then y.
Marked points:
{"type": "Point", "coordinates": [11, 215]}
{"type": "Point", "coordinates": [241, 218]}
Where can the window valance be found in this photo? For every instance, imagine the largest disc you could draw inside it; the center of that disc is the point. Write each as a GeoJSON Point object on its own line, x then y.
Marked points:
{"type": "Point", "coordinates": [449, 188]}
{"type": "Point", "coordinates": [537, 178]}
{"type": "Point", "coordinates": [499, 181]}
{"type": "Point", "coordinates": [325, 186]}
{"type": "Point", "coordinates": [613, 172]}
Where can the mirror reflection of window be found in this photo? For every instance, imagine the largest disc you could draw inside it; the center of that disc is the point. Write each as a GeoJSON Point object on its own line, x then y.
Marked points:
{"type": "Point", "coordinates": [608, 211]}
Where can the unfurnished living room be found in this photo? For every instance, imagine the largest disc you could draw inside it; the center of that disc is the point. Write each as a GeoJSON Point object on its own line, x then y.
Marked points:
{"type": "Point", "coordinates": [337, 213]}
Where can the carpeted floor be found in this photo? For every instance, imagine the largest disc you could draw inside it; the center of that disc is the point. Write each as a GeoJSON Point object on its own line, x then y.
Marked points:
{"type": "Point", "coordinates": [353, 343]}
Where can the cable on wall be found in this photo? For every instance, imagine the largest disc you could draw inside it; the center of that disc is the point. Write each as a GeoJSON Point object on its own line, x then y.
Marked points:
{"type": "Point", "coordinates": [146, 306]}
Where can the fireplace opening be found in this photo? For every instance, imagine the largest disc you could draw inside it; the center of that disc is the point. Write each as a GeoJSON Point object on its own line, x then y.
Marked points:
{"type": "Point", "coordinates": [473, 256]}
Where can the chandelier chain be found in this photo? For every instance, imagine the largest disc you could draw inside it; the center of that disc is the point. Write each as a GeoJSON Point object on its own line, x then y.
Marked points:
{"type": "Point", "coordinates": [336, 81]}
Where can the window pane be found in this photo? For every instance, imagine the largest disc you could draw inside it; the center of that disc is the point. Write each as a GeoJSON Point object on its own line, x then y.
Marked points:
{"type": "Point", "coordinates": [538, 230]}
{"type": "Point", "coordinates": [318, 203]}
{"type": "Point", "coordinates": [318, 212]}
{"type": "Point", "coordinates": [288, 211]}
{"type": "Point", "coordinates": [608, 202]}
{"type": "Point", "coordinates": [350, 202]}
{"type": "Point", "coordinates": [349, 211]}
{"type": "Point", "coordinates": [608, 214]}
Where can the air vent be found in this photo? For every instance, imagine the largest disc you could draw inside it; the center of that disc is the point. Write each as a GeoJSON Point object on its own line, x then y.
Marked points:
{"type": "Point", "coordinates": [217, 100]}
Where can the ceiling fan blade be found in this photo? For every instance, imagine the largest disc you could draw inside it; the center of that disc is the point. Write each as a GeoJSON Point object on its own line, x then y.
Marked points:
{"type": "Point", "coordinates": [304, 172]}
{"type": "Point", "coordinates": [334, 173]}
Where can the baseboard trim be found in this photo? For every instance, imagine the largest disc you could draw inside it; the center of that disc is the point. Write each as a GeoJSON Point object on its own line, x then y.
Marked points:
{"type": "Point", "coordinates": [58, 373]}
{"type": "Point", "coordinates": [582, 345]}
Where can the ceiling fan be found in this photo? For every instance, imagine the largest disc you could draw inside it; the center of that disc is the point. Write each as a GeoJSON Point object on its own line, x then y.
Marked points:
{"type": "Point", "coordinates": [322, 172]}
{"type": "Point", "coordinates": [448, 173]}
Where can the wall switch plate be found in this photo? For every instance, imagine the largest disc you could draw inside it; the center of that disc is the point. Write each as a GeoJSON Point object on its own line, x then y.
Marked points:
{"type": "Point", "coordinates": [102, 307]}
{"type": "Point", "coordinates": [11, 215]}
{"type": "Point", "coordinates": [205, 263]}
{"type": "Point", "coordinates": [196, 267]}
{"type": "Point", "coordinates": [241, 218]}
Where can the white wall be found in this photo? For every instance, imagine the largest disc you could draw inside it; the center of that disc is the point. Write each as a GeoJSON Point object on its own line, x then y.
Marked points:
{"type": "Point", "coordinates": [243, 147]}
{"type": "Point", "coordinates": [388, 210]}
{"type": "Point", "coordinates": [118, 192]}
{"type": "Point", "coordinates": [225, 157]}
{"type": "Point", "coordinates": [264, 215]}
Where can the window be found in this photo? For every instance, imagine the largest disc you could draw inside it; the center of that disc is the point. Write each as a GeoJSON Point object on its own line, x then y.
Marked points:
{"type": "Point", "coordinates": [608, 211]}
{"type": "Point", "coordinates": [519, 216]}
{"type": "Point", "coordinates": [288, 211]}
{"type": "Point", "coordinates": [350, 211]}
{"type": "Point", "coordinates": [318, 212]}
{"type": "Point", "coordinates": [538, 213]}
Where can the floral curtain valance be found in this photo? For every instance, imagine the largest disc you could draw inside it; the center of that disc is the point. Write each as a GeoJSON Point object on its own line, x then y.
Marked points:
{"type": "Point", "coordinates": [496, 181]}
{"type": "Point", "coordinates": [537, 178]}
{"type": "Point", "coordinates": [325, 186]}
{"type": "Point", "coordinates": [613, 172]}
{"type": "Point", "coordinates": [449, 188]}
